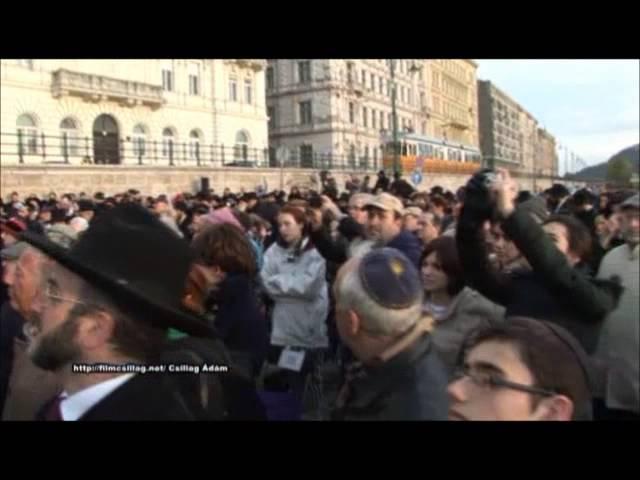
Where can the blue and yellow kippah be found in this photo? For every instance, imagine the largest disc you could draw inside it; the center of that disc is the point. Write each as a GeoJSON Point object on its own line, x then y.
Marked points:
{"type": "Point", "coordinates": [389, 278]}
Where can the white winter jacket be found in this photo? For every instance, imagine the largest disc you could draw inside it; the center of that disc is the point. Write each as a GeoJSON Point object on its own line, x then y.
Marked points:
{"type": "Point", "coordinates": [298, 286]}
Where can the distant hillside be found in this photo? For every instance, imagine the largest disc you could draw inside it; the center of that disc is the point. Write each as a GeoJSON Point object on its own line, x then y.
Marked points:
{"type": "Point", "coordinates": [599, 172]}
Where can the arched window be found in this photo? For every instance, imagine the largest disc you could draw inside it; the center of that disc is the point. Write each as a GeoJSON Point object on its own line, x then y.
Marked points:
{"type": "Point", "coordinates": [168, 139]}
{"type": "Point", "coordinates": [27, 133]}
{"type": "Point", "coordinates": [241, 149]}
{"type": "Point", "coordinates": [69, 137]}
{"type": "Point", "coordinates": [139, 140]}
{"type": "Point", "coordinates": [194, 144]}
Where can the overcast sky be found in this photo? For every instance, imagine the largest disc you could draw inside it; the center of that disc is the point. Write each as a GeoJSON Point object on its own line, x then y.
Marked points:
{"type": "Point", "coordinates": [591, 106]}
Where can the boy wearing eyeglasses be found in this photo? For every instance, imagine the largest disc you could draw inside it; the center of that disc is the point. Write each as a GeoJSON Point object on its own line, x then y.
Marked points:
{"type": "Point", "coordinates": [524, 370]}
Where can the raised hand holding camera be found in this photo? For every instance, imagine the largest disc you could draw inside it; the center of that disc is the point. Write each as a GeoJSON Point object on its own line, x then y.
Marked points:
{"type": "Point", "coordinates": [504, 191]}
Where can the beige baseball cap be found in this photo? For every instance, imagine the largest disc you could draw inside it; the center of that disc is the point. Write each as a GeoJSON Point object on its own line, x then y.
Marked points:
{"type": "Point", "coordinates": [387, 202]}
{"type": "Point", "coordinates": [415, 211]}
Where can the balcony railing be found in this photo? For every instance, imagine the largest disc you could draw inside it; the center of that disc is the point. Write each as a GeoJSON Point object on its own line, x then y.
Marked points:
{"type": "Point", "coordinates": [98, 87]}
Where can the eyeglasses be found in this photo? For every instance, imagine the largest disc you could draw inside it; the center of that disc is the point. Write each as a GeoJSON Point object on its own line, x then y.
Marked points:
{"type": "Point", "coordinates": [58, 298]}
{"type": "Point", "coordinates": [489, 381]}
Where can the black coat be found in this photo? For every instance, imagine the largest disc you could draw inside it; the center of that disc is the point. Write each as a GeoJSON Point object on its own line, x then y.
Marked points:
{"type": "Point", "coordinates": [383, 183]}
{"type": "Point", "coordinates": [410, 386]}
{"type": "Point", "coordinates": [269, 212]}
{"type": "Point", "coordinates": [401, 188]}
{"type": "Point", "coordinates": [148, 397]}
{"type": "Point", "coordinates": [11, 323]}
{"type": "Point", "coordinates": [239, 321]}
{"type": "Point", "coordinates": [336, 251]}
{"type": "Point", "coordinates": [181, 396]}
{"type": "Point", "coordinates": [552, 291]}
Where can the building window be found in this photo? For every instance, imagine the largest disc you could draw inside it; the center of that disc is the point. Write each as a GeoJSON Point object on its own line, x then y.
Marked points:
{"type": "Point", "coordinates": [364, 78]}
{"type": "Point", "coordinates": [194, 79]}
{"type": "Point", "coordinates": [424, 128]}
{"type": "Point", "coordinates": [271, 113]}
{"type": "Point", "coordinates": [389, 121]}
{"type": "Point", "coordinates": [167, 143]}
{"type": "Point", "coordinates": [375, 156]}
{"type": "Point", "coordinates": [382, 120]}
{"type": "Point", "coordinates": [374, 116]}
{"type": "Point", "coordinates": [306, 155]}
{"type": "Point", "coordinates": [69, 137]}
{"type": "Point", "coordinates": [193, 85]}
{"type": "Point", "coordinates": [373, 82]}
{"type": "Point", "coordinates": [241, 149]}
{"type": "Point", "coordinates": [381, 85]}
{"type": "Point", "coordinates": [402, 94]}
{"type": "Point", "coordinates": [409, 96]}
{"type": "Point", "coordinates": [365, 117]}
{"type": "Point", "coordinates": [270, 78]}
{"type": "Point", "coordinates": [305, 112]}
{"type": "Point", "coordinates": [248, 91]}
{"type": "Point", "coordinates": [352, 113]}
{"type": "Point", "coordinates": [233, 89]}
{"type": "Point", "coordinates": [194, 145]}
{"type": "Point", "coordinates": [167, 80]}
{"type": "Point", "coordinates": [139, 141]}
{"type": "Point", "coordinates": [304, 72]}
{"type": "Point", "coordinates": [28, 133]}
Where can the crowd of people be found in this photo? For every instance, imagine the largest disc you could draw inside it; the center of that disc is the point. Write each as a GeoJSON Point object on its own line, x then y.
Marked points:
{"type": "Point", "coordinates": [378, 303]}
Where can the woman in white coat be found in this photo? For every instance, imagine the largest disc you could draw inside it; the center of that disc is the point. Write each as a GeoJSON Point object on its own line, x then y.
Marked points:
{"type": "Point", "coordinates": [293, 275]}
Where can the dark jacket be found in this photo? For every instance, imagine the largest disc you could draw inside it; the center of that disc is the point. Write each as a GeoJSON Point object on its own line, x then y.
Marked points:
{"type": "Point", "coordinates": [181, 396]}
{"type": "Point", "coordinates": [239, 321]}
{"type": "Point", "coordinates": [410, 386]}
{"type": "Point", "coordinates": [337, 251]}
{"type": "Point", "coordinates": [401, 188]}
{"type": "Point", "coordinates": [269, 212]}
{"type": "Point", "coordinates": [552, 290]}
{"type": "Point", "coordinates": [35, 226]}
{"type": "Point", "coordinates": [11, 323]}
{"type": "Point", "coordinates": [383, 183]}
{"type": "Point", "coordinates": [408, 244]}
{"type": "Point", "coordinates": [148, 397]}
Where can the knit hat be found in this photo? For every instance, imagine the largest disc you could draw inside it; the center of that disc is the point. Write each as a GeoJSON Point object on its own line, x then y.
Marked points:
{"type": "Point", "coordinates": [223, 215]}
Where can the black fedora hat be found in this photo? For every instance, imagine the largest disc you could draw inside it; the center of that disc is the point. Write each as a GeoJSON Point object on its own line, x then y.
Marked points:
{"type": "Point", "coordinates": [128, 253]}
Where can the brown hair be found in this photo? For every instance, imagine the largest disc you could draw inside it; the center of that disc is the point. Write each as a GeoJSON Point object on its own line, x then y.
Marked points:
{"type": "Point", "coordinates": [225, 246]}
{"type": "Point", "coordinates": [554, 357]}
{"type": "Point", "coordinates": [447, 252]}
{"type": "Point", "coordinates": [580, 243]}
{"type": "Point", "coordinates": [297, 212]}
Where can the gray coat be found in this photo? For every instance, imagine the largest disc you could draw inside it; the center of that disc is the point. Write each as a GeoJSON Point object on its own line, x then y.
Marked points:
{"type": "Point", "coordinates": [298, 286]}
{"type": "Point", "coordinates": [468, 312]}
{"type": "Point", "coordinates": [618, 351]}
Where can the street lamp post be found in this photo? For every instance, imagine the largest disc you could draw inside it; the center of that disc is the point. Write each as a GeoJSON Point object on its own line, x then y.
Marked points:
{"type": "Point", "coordinates": [394, 117]}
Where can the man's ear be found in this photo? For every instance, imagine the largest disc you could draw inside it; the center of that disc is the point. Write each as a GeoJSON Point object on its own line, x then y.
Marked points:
{"type": "Point", "coordinates": [95, 330]}
{"type": "Point", "coordinates": [555, 408]}
{"type": "Point", "coordinates": [354, 324]}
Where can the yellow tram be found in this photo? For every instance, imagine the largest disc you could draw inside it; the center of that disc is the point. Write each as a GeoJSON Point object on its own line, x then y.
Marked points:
{"type": "Point", "coordinates": [428, 155]}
